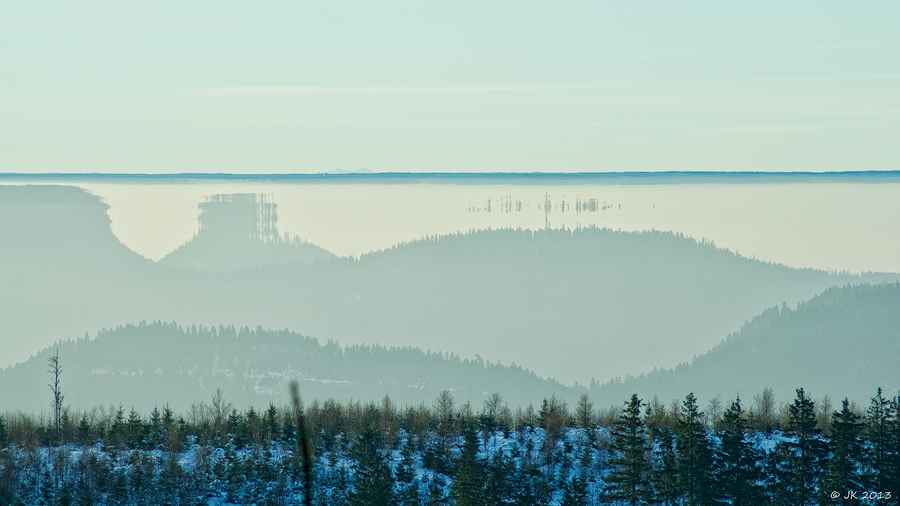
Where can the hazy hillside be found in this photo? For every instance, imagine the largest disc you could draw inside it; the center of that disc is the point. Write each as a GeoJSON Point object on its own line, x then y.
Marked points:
{"type": "Point", "coordinates": [156, 364]}
{"type": "Point", "coordinates": [571, 305]}
{"type": "Point", "coordinates": [844, 342]}
{"type": "Point", "coordinates": [62, 271]}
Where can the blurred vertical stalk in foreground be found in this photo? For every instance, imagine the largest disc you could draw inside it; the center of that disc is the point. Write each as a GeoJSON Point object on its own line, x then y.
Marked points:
{"type": "Point", "coordinates": [303, 440]}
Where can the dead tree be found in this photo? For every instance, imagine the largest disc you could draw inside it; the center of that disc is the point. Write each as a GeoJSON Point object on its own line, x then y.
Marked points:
{"type": "Point", "coordinates": [55, 370]}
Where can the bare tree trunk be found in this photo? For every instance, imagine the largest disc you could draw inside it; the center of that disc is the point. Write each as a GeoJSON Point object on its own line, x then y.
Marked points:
{"type": "Point", "coordinates": [55, 370]}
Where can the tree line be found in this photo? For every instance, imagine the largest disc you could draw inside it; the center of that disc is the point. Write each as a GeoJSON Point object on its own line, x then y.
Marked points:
{"type": "Point", "coordinates": [455, 454]}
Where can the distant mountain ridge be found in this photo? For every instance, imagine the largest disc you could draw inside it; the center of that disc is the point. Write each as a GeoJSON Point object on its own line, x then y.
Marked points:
{"type": "Point", "coordinates": [160, 364]}
{"type": "Point", "coordinates": [844, 342]}
{"type": "Point", "coordinates": [567, 304]}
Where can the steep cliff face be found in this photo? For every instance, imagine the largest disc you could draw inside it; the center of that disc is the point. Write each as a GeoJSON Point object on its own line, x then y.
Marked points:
{"type": "Point", "coordinates": [62, 223]}
{"type": "Point", "coordinates": [62, 267]}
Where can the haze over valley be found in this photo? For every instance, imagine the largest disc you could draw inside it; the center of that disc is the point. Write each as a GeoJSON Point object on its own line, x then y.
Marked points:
{"type": "Point", "coordinates": [580, 306]}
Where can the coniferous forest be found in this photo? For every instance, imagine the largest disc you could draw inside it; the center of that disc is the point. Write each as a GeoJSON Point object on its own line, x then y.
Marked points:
{"type": "Point", "coordinates": [642, 453]}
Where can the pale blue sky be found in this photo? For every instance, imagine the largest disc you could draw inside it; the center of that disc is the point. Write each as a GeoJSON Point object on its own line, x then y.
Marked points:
{"type": "Point", "coordinates": [276, 87]}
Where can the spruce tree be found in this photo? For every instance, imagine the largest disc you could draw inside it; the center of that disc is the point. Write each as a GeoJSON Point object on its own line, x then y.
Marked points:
{"type": "Point", "coordinates": [436, 495]}
{"type": "Point", "coordinates": [629, 479]}
{"type": "Point", "coordinates": [468, 486]}
{"type": "Point", "coordinates": [739, 473]}
{"type": "Point", "coordinates": [842, 468]}
{"type": "Point", "coordinates": [170, 477]}
{"type": "Point", "coordinates": [804, 456]}
{"type": "Point", "coordinates": [117, 433]}
{"type": "Point", "coordinates": [273, 428]}
{"type": "Point", "coordinates": [406, 475]}
{"type": "Point", "coordinates": [373, 482]}
{"type": "Point", "coordinates": [878, 432]}
{"type": "Point", "coordinates": [135, 429]}
{"type": "Point", "coordinates": [499, 472]}
{"type": "Point", "coordinates": [694, 455]}
{"type": "Point", "coordinates": [892, 470]}
{"type": "Point", "coordinates": [664, 468]}
{"type": "Point", "coordinates": [531, 486]}
{"type": "Point", "coordinates": [340, 489]}
{"type": "Point", "coordinates": [406, 471]}
{"type": "Point", "coordinates": [575, 493]}
{"type": "Point", "coordinates": [118, 493]}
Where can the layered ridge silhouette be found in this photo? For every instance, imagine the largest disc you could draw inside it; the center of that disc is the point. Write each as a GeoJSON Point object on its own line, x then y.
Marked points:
{"type": "Point", "coordinates": [157, 364]}
{"type": "Point", "coordinates": [567, 304]}
{"type": "Point", "coordinates": [844, 342]}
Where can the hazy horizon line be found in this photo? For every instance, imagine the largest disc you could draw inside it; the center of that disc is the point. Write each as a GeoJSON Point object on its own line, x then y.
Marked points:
{"type": "Point", "coordinates": [367, 176]}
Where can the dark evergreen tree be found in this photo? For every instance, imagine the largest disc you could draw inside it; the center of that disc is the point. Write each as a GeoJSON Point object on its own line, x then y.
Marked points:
{"type": "Point", "coordinates": [406, 475]}
{"type": "Point", "coordinates": [134, 429]}
{"type": "Point", "coordinates": [273, 428]}
{"type": "Point", "coordinates": [575, 493]}
{"type": "Point", "coordinates": [629, 479]}
{"type": "Point", "coordinates": [664, 470]}
{"type": "Point", "coordinates": [117, 433]}
{"type": "Point", "coordinates": [881, 431]}
{"type": "Point", "coordinates": [171, 477]}
{"type": "Point", "coordinates": [468, 486]}
{"type": "Point", "coordinates": [694, 456]}
{"type": "Point", "coordinates": [84, 495]}
{"type": "Point", "coordinates": [333, 488]}
{"type": "Point", "coordinates": [406, 471]}
{"type": "Point", "coordinates": [842, 468]}
{"type": "Point", "coordinates": [410, 495]}
{"type": "Point", "coordinates": [84, 431]}
{"type": "Point", "coordinates": [65, 496]}
{"type": "Point", "coordinates": [435, 456]}
{"type": "Point", "coordinates": [49, 487]}
{"type": "Point", "coordinates": [168, 428]}
{"type": "Point", "coordinates": [530, 486]}
{"type": "Point", "coordinates": [373, 483]}
{"type": "Point", "coordinates": [803, 456]}
{"type": "Point", "coordinates": [152, 439]}
{"type": "Point", "coordinates": [499, 471]}
{"type": "Point", "coordinates": [436, 496]}
{"type": "Point", "coordinates": [586, 449]}
{"type": "Point", "coordinates": [739, 474]}
{"type": "Point", "coordinates": [892, 470]}
{"type": "Point", "coordinates": [118, 493]}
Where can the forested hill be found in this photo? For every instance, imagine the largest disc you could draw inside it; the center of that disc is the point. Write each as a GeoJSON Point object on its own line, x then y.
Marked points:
{"type": "Point", "coordinates": [844, 342]}
{"type": "Point", "coordinates": [156, 364]}
{"type": "Point", "coordinates": [566, 304]}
